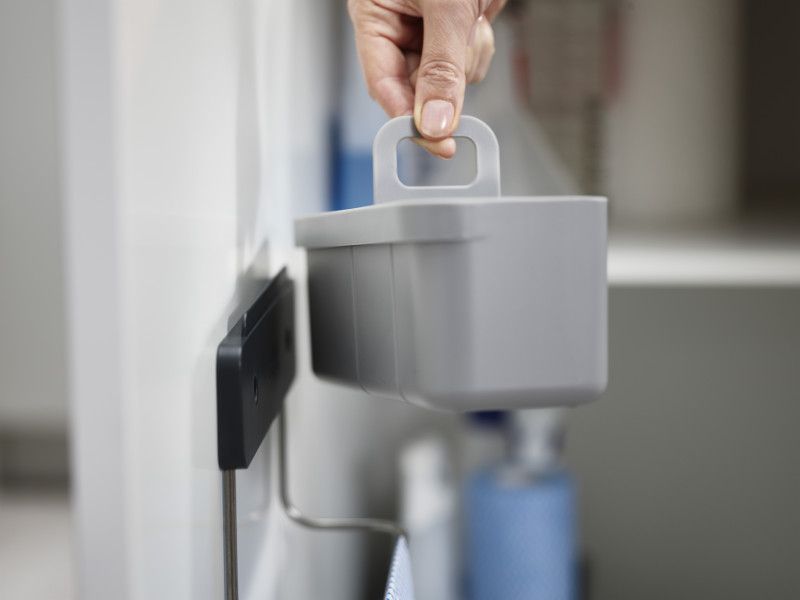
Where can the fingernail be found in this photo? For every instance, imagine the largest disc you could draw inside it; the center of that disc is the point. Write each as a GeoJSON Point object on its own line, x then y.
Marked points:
{"type": "Point", "coordinates": [437, 115]}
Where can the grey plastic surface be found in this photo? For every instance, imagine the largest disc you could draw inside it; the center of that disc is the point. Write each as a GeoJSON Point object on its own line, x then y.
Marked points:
{"type": "Point", "coordinates": [460, 303]}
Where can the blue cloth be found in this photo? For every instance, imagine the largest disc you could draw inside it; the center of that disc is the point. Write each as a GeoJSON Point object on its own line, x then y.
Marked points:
{"type": "Point", "coordinates": [400, 585]}
{"type": "Point", "coordinates": [352, 179]}
{"type": "Point", "coordinates": [521, 538]}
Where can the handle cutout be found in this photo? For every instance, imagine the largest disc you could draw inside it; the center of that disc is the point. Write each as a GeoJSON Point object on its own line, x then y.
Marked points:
{"type": "Point", "coordinates": [416, 167]}
{"type": "Point", "coordinates": [387, 186]}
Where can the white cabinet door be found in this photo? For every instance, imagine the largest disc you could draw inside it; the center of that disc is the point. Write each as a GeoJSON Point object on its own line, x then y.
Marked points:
{"type": "Point", "coordinates": [192, 131]}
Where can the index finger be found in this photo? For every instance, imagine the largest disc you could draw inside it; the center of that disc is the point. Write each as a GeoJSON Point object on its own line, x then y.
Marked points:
{"type": "Point", "coordinates": [386, 73]}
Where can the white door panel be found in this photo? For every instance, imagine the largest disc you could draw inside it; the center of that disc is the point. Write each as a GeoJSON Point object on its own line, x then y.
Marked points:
{"type": "Point", "coordinates": [193, 130]}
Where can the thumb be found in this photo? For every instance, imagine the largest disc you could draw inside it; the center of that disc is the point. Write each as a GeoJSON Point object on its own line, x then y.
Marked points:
{"type": "Point", "coordinates": [439, 93]}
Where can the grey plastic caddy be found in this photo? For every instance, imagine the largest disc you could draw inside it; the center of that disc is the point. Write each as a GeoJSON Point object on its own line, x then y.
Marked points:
{"type": "Point", "coordinates": [456, 297]}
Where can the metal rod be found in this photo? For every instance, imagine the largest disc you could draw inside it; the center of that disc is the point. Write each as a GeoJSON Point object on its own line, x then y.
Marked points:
{"type": "Point", "coordinates": [317, 523]}
{"type": "Point", "coordinates": [323, 523]}
{"type": "Point", "coordinates": [229, 533]}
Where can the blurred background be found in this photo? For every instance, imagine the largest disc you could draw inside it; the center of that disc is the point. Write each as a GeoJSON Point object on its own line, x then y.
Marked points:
{"type": "Point", "coordinates": [682, 481]}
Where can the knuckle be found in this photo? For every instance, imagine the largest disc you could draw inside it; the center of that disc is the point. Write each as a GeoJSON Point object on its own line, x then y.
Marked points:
{"type": "Point", "coordinates": [371, 90]}
{"type": "Point", "coordinates": [374, 88]}
{"type": "Point", "coordinates": [441, 73]}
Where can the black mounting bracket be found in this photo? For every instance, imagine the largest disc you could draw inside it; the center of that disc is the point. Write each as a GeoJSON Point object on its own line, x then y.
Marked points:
{"type": "Point", "coordinates": [255, 369]}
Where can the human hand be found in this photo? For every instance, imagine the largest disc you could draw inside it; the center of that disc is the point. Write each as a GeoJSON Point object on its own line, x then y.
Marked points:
{"type": "Point", "coordinates": [418, 55]}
